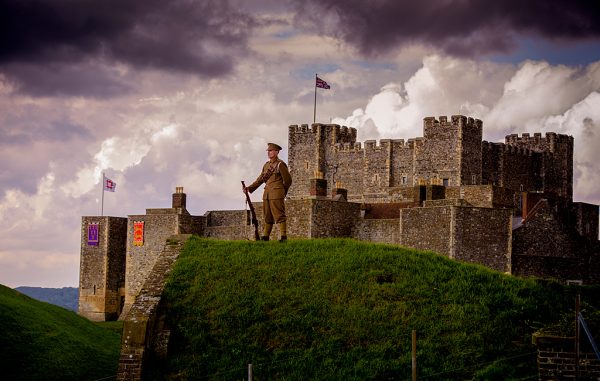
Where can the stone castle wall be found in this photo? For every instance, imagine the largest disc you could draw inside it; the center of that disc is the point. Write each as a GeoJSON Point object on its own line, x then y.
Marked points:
{"type": "Point", "coordinates": [378, 230]}
{"type": "Point", "coordinates": [484, 236]}
{"type": "Point", "coordinates": [145, 332]}
{"type": "Point", "coordinates": [158, 226]}
{"type": "Point", "coordinates": [568, 255]}
{"type": "Point", "coordinates": [469, 234]}
{"type": "Point", "coordinates": [434, 224]}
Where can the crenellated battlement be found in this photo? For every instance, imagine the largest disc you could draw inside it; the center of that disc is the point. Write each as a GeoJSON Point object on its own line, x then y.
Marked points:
{"type": "Point", "coordinates": [455, 120]}
{"type": "Point", "coordinates": [507, 148]}
{"type": "Point", "coordinates": [339, 134]}
{"type": "Point", "coordinates": [551, 142]}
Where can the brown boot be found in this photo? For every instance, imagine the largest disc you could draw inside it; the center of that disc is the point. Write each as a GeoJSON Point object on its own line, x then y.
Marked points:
{"type": "Point", "coordinates": [267, 232]}
{"type": "Point", "coordinates": [283, 231]}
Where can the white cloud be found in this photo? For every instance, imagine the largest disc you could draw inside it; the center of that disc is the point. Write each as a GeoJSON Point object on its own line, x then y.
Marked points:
{"type": "Point", "coordinates": [534, 97]}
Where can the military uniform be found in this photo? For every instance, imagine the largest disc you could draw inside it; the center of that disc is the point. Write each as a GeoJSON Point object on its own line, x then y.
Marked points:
{"type": "Point", "coordinates": [277, 179]}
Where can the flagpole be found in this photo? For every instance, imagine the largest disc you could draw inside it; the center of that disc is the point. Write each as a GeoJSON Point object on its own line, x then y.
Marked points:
{"type": "Point", "coordinates": [315, 109]}
{"type": "Point", "coordinates": [102, 210]}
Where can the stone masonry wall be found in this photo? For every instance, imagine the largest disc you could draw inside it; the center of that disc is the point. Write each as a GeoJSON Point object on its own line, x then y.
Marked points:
{"type": "Point", "coordinates": [483, 236]}
{"type": "Point", "coordinates": [299, 217]}
{"type": "Point", "coordinates": [227, 217]}
{"type": "Point", "coordinates": [333, 218]}
{"type": "Point", "coordinates": [102, 268]}
{"type": "Point", "coordinates": [380, 230]}
{"type": "Point", "coordinates": [349, 171]}
{"type": "Point", "coordinates": [556, 360]}
{"type": "Point", "coordinates": [557, 166]}
{"type": "Point", "coordinates": [302, 158]}
{"type": "Point", "coordinates": [144, 329]}
{"type": "Point", "coordinates": [402, 171]}
{"type": "Point", "coordinates": [471, 132]}
{"type": "Point", "coordinates": [440, 157]}
{"type": "Point", "coordinates": [567, 256]}
{"type": "Point", "coordinates": [376, 167]}
{"type": "Point", "coordinates": [158, 227]}
{"type": "Point", "coordinates": [427, 229]}
{"type": "Point", "coordinates": [586, 216]}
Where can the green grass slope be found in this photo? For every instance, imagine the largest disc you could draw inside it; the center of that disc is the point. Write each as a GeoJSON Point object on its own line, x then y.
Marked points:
{"type": "Point", "coordinates": [344, 310]}
{"type": "Point", "coordinates": [40, 341]}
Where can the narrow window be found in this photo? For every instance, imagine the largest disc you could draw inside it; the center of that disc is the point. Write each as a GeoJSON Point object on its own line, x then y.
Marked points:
{"type": "Point", "coordinates": [474, 179]}
{"type": "Point", "coordinates": [445, 182]}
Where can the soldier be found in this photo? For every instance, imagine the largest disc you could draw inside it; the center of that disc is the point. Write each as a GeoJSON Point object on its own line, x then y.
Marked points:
{"type": "Point", "coordinates": [277, 181]}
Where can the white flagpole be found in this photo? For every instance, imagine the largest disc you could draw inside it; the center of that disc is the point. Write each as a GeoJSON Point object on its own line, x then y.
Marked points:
{"type": "Point", "coordinates": [102, 210]}
{"type": "Point", "coordinates": [315, 109]}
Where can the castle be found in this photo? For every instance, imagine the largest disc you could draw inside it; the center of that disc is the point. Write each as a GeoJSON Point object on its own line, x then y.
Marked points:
{"type": "Point", "coordinates": [507, 206]}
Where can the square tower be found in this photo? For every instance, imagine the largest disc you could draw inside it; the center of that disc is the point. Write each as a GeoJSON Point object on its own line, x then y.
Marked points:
{"type": "Point", "coordinates": [102, 267]}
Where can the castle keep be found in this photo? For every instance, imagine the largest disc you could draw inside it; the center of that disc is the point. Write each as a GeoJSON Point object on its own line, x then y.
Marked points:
{"type": "Point", "coordinates": [449, 191]}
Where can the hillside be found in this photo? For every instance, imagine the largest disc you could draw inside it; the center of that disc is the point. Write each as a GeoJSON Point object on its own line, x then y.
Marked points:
{"type": "Point", "coordinates": [342, 309]}
{"type": "Point", "coordinates": [40, 341]}
{"type": "Point", "coordinates": [65, 297]}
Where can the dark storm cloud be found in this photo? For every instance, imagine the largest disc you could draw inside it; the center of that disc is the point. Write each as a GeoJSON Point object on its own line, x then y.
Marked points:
{"type": "Point", "coordinates": [459, 27]}
{"type": "Point", "coordinates": [202, 37]}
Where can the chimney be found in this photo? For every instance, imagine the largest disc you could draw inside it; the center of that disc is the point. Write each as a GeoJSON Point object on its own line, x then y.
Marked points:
{"type": "Point", "coordinates": [318, 185]}
{"type": "Point", "coordinates": [339, 193]}
{"type": "Point", "coordinates": [179, 198]}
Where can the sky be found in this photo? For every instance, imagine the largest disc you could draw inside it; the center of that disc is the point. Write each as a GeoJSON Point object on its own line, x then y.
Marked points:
{"type": "Point", "coordinates": [188, 93]}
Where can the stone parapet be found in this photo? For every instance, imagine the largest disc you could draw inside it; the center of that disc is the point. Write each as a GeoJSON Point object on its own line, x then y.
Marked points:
{"type": "Point", "coordinates": [142, 326]}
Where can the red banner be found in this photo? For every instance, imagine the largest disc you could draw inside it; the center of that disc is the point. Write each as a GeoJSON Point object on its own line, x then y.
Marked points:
{"type": "Point", "coordinates": [138, 233]}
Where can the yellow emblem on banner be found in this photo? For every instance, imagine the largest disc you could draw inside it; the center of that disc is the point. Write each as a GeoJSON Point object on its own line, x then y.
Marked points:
{"type": "Point", "coordinates": [138, 233]}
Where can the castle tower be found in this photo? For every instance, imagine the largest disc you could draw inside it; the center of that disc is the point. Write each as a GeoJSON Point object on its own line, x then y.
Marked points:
{"type": "Point", "coordinates": [554, 152]}
{"type": "Point", "coordinates": [312, 150]}
{"type": "Point", "coordinates": [102, 267]}
{"type": "Point", "coordinates": [451, 152]}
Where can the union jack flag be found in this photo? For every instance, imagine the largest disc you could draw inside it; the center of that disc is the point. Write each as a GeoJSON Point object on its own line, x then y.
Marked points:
{"type": "Point", "coordinates": [322, 84]}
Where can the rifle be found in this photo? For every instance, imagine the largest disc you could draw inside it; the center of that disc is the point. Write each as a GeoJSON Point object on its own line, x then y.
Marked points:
{"type": "Point", "coordinates": [252, 213]}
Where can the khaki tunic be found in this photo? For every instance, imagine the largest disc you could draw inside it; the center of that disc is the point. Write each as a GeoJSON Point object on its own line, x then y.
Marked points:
{"type": "Point", "coordinates": [276, 187]}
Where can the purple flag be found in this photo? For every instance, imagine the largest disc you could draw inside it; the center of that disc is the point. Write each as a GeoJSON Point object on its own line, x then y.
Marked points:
{"type": "Point", "coordinates": [93, 234]}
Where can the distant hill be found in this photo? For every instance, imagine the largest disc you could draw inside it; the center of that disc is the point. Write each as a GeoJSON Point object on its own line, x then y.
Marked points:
{"type": "Point", "coordinates": [66, 297]}
{"type": "Point", "coordinates": [40, 341]}
{"type": "Point", "coordinates": [339, 309]}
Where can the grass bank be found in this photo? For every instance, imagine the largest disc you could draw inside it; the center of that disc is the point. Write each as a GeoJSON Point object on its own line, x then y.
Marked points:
{"type": "Point", "coordinates": [340, 309]}
{"type": "Point", "coordinates": [40, 341]}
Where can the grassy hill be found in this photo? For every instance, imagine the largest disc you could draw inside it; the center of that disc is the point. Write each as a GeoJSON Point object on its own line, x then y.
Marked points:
{"type": "Point", "coordinates": [344, 310]}
{"type": "Point", "coordinates": [40, 341]}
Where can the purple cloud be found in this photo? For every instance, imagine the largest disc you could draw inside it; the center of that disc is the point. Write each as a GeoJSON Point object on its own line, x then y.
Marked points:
{"type": "Point", "coordinates": [463, 28]}
{"type": "Point", "coordinates": [201, 37]}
